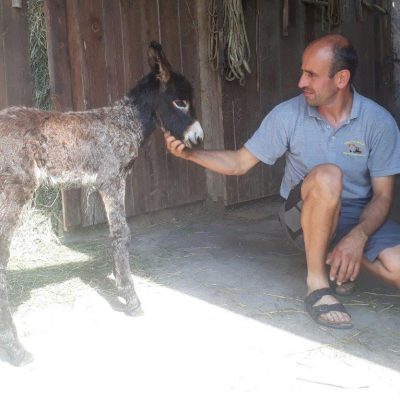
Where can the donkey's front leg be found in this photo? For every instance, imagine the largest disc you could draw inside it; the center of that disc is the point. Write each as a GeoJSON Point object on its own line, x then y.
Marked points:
{"type": "Point", "coordinates": [8, 334]}
{"type": "Point", "coordinates": [113, 195]}
{"type": "Point", "coordinates": [12, 199]}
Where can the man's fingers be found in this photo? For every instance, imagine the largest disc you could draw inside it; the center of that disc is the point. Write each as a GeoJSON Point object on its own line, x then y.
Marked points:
{"type": "Point", "coordinates": [342, 272]}
{"type": "Point", "coordinates": [172, 142]}
{"type": "Point", "coordinates": [335, 264]}
{"type": "Point", "coordinates": [355, 272]}
{"type": "Point", "coordinates": [329, 259]}
{"type": "Point", "coordinates": [347, 272]}
{"type": "Point", "coordinates": [169, 140]}
{"type": "Point", "coordinates": [175, 146]}
{"type": "Point", "coordinates": [350, 271]}
{"type": "Point", "coordinates": [180, 147]}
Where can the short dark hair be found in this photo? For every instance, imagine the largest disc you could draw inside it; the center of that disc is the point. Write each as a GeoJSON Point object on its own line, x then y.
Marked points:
{"type": "Point", "coordinates": [344, 57]}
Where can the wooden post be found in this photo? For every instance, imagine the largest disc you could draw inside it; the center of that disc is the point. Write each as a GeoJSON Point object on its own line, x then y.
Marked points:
{"type": "Point", "coordinates": [395, 33]}
{"type": "Point", "coordinates": [61, 90]}
{"type": "Point", "coordinates": [210, 102]}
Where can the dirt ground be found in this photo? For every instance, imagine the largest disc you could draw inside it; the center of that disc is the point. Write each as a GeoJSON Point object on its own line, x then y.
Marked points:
{"type": "Point", "coordinates": [222, 318]}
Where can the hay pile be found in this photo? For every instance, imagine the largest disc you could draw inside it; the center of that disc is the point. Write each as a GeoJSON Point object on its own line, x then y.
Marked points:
{"type": "Point", "coordinates": [38, 54]}
{"type": "Point", "coordinates": [48, 200]}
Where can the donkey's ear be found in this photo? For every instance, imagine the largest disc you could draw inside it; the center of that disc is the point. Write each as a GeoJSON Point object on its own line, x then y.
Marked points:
{"type": "Point", "coordinates": [159, 64]}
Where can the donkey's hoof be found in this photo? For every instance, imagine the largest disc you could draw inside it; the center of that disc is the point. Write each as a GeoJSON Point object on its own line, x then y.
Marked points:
{"type": "Point", "coordinates": [130, 300]}
{"type": "Point", "coordinates": [20, 357]}
{"type": "Point", "coordinates": [134, 309]}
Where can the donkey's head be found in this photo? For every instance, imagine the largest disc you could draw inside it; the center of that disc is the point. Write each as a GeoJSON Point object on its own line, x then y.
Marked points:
{"type": "Point", "coordinates": [174, 106]}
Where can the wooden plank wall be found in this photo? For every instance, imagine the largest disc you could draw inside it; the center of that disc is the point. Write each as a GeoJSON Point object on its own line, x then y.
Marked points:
{"type": "Point", "coordinates": [15, 76]}
{"type": "Point", "coordinates": [97, 51]}
{"type": "Point", "coordinates": [275, 66]}
{"type": "Point", "coordinates": [103, 46]}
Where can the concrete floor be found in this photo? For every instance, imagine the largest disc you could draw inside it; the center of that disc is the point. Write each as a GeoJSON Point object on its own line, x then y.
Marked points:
{"type": "Point", "coordinates": [222, 318]}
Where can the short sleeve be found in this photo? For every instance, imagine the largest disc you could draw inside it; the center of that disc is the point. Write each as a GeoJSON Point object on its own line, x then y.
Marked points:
{"type": "Point", "coordinates": [384, 157]}
{"type": "Point", "coordinates": [270, 140]}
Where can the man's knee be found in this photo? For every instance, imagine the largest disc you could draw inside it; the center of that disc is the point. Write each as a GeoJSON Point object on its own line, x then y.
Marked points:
{"type": "Point", "coordinates": [394, 278]}
{"type": "Point", "coordinates": [325, 182]}
{"type": "Point", "coordinates": [390, 258]}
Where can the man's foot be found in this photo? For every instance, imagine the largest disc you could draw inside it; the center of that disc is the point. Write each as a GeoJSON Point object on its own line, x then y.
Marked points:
{"type": "Point", "coordinates": [326, 310]}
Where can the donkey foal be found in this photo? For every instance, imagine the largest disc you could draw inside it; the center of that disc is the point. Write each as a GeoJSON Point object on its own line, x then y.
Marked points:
{"type": "Point", "coordinates": [94, 148]}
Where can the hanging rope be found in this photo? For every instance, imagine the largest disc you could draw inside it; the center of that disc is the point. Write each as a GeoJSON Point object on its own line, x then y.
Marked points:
{"type": "Point", "coordinates": [237, 48]}
{"type": "Point", "coordinates": [235, 41]}
{"type": "Point", "coordinates": [374, 7]}
{"type": "Point", "coordinates": [369, 6]}
{"type": "Point", "coordinates": [213, 50]}
{"type": "Point", "coordinates": [332, 14]}
{"type": "Point", "coordinates": [331, 11]}
{"type": "Point", "coordinates": [359, 10]}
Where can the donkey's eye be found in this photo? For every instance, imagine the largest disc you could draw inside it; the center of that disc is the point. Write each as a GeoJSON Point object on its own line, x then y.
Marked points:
{"type": "Point", "coordinates": [181, 105]}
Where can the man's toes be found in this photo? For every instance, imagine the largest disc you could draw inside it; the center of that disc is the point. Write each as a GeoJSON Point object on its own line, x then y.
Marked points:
{"type": "Point", "coordinates": [336, 317]}
{"type": "Point", "coordinates": [341, 318]}
{"type": "Point", "coordinates": [329, 317]}
{"type": "Point", "coordinates": [347, 319]}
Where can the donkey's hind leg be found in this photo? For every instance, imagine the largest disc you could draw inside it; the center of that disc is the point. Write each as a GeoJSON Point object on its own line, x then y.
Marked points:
{"type": "Point", "coordinates": [113, 195]}
{"type": "Point", "coordinates": [12, 200]}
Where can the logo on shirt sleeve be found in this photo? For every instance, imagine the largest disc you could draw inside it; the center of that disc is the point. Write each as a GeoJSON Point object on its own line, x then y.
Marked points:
{"type": "Point", "coordinates": [355, 148]}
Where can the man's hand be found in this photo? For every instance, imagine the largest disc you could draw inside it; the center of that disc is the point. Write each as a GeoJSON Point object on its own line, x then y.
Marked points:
{"type": "Point", "coordinates": [345, 259]}
{"type": "Point", "coordinates": [176, 147]}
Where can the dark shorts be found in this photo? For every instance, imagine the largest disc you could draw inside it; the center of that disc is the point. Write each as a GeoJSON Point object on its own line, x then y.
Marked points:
{"type": "Point", "coordinates": [388, 235]}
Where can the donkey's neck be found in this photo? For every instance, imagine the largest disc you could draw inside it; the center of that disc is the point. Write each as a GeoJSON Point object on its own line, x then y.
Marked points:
{"type": "Point", "coordinates": [143, 98]}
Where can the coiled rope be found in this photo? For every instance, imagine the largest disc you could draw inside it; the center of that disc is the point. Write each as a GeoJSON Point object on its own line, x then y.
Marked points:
{"type": "Point", "coordinates": [235, 41]}
{"type": "Point", "coordinates": [237, 48]}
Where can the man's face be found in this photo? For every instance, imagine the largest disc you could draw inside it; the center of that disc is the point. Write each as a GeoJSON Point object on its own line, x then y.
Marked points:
{"type": "Point", "coordinates": [318, 88]}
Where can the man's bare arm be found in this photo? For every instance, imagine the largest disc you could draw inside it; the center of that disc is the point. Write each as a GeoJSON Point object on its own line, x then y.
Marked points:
{"type": "Point", "coordinates": [225, 162]}
{"type": "Point", "coordinates": [346, 257]}
{"type": "Point", "coordinates": [378, 208]}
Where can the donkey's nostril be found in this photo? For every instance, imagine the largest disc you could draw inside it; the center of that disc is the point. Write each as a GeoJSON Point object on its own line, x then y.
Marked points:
{"type": "Point", "coordinates": [194, 134]}
{"type": "Point", "coordinates": [199, 136]}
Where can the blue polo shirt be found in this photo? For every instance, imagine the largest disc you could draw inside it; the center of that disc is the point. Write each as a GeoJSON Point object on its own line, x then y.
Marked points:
{"type": "Point", "coordinates": [366, 145]}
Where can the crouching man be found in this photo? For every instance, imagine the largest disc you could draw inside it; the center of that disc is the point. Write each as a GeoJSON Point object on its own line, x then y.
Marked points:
{"type": "Point", "coordinates": [342, 152]}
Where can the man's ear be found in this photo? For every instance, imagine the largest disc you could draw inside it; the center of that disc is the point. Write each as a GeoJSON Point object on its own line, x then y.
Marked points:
{"type": "Point", "coordinates": [342, 78]}
{"type": "Point", "coordinates": [159, 64]}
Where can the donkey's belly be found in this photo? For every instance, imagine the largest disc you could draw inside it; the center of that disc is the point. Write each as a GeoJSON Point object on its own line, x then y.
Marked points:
{"type": "Point", "coordinates": [66, 178]}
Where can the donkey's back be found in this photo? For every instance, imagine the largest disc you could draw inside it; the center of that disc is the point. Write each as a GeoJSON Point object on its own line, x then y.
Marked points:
{"type": "Point", "coordinates": [68, 149]}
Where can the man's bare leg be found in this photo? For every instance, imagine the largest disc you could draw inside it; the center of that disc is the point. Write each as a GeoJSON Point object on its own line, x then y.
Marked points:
{"type": "Point", "coordinates": [386, 266]}
{"type": "Point", "coordinates": [321, 194]}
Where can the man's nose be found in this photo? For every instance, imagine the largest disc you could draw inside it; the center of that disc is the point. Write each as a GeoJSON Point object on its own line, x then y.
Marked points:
{"type": "Point", "coordinates": [302, 81]}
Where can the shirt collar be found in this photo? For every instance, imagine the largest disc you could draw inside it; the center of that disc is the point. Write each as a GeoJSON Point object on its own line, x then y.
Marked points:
{"type": "Point", "coordinates": [355, 107]}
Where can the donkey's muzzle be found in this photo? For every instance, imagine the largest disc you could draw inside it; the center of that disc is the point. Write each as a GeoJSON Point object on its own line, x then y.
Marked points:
{"type": "Point", "coordinates": [194, 135]}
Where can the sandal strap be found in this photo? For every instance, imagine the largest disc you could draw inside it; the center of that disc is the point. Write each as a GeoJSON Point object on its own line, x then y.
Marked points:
{"type": "Point", "coordinates": [317, 311]}
{"type": "Point", "coordinates": [325, 308]}
{"type": "Point", "coordinates": [316, 295]}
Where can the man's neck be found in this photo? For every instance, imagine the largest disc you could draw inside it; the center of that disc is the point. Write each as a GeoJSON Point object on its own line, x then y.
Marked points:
{"type": "Point", "coordinates": [339, 110]}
